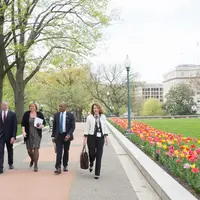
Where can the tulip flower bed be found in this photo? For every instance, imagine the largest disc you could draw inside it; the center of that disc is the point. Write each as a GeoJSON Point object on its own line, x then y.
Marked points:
{"type": "Point", "coordinates": [180, 156]}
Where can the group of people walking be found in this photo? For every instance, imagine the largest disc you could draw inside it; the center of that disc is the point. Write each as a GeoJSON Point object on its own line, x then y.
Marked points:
{"type": "Point", "coordinates": [95, 135]}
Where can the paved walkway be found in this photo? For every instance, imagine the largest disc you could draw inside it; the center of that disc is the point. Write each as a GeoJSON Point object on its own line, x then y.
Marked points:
{"type": "Point", "coordinates": [76, 184]}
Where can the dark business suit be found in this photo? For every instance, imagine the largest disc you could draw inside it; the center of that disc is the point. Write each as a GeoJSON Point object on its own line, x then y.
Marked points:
{"type": "Point", "coordinates": [8, 129]}
{"type": "Point", "coordinates": [59, 138]}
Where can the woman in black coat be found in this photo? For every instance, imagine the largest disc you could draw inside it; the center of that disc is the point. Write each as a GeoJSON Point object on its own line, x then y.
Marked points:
{"type": "Point", "coordinates": [32, 133]}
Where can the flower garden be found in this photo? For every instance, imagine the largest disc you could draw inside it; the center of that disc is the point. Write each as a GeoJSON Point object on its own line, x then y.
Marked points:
{"type": "Point", "coordinates": [179, 155]}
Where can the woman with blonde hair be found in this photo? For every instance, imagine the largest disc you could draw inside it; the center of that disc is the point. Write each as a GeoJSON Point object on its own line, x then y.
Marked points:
{"type": "Point", "coordinates": [95, 135]}
{"type": "Point", "coordinates": [32, 133]}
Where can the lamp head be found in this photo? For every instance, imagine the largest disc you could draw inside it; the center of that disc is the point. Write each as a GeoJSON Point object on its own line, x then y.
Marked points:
{"type": "Point", "coordinates": [127, 63]}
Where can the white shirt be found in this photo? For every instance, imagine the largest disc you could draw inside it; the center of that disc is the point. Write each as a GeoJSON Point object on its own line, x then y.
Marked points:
{"type": "Point", "coordinates": [64, 120]}
{"type": "Point", "coordinates": [90, 125]}
{"type": "Point", "coordinates": [3, 114]}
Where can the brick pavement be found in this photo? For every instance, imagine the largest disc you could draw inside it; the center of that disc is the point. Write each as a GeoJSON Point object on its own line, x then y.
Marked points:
{"type": "Point", "coordinates": [76, 184]}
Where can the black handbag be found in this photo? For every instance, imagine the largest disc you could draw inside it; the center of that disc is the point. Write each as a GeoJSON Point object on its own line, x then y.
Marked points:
{"type": "Point", "coordinates": [84, 159]}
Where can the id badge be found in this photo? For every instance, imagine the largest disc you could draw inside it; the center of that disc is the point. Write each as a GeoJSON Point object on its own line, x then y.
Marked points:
{"type": "Point", "coordinates": [98, 134]}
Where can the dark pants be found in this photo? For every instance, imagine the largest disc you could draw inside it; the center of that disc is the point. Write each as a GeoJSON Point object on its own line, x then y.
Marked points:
{"type": "Point", "coordinates": [9, 151]}
{"type": "Point", "coordinates": [95, 146]}
{"type": "Point", "coordinates": [60, 145]}
{"type": "Point", "coordinates": [2, 145]}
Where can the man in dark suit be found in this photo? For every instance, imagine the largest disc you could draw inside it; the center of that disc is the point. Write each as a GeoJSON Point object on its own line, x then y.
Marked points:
{"type": "Point", "coordinates": [62, 135]}
{"type": "Point", "coordinates": [8, 131]}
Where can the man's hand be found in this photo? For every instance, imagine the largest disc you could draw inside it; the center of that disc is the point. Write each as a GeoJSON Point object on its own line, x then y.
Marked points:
{"type": "Point", "coordinates": [107, 141]}
{"type": "Point", "coordinates": [67, 137]}
{"type": "Point", "coordinates": [12, 140]}
{"type": "Point", "coordinates": [53, 139]}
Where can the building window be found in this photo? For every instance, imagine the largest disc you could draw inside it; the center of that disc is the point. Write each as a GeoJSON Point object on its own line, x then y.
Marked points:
{"type": "Point", "coordinates": [182, 73]}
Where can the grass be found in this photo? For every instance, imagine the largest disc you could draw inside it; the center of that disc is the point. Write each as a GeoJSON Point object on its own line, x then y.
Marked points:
{"type": "Point", "coordinates": [186, 127]}
{"type": "Point", "coordinates": [19, 129]}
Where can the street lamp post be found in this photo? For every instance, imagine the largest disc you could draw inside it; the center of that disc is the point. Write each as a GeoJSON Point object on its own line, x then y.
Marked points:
{"type": "Point", "coordinates": [127, 65]}
{"type": "Point", "coordinates": [108, 103]}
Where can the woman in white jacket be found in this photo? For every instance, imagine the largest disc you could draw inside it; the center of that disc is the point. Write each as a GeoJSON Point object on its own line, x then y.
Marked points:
{"type": "Point", "coordinates": [95, 135]}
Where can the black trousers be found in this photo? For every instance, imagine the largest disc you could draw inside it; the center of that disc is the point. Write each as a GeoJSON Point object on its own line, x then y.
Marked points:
{"type": "Point", "coordinates": [95, 146]}
{"type": "Point", "coordinates": [60, 146]}
{"type": "Point", "coordinates": [9, 151]}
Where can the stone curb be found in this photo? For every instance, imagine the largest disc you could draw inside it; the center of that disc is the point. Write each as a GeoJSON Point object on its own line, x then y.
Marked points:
{"type": "Point", "coordinates": [165, 186]}
{"type": "Point", "coordinates": [19, 138]}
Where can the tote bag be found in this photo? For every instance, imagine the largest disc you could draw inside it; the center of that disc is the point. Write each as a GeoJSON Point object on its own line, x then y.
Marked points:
{"type": "Point", "coordinates": [84, 159]}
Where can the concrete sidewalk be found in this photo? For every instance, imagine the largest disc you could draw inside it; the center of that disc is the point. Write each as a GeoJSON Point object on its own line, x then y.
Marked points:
{"type": "Point", "coordinates": [116, 182]}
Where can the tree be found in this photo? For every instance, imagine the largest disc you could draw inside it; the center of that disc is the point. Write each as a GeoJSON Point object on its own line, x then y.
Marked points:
{"type": "Point", "coordinates": [195, 81]}
{"type": "Point", "coordinates": [8, 93]}
{"type": "Point", "coordinates": [53, 86]}
{"type": "Point", "coordinates": [5, 35]}
{"type": "Point", "coordinates": [109, 87]}
{"type": "Point", "coordinates": [54, 27]}
{"type": "Point", "coordinates": [152, 107]}
{"type": "Point", "coordinates": [180, 100]}
{"type": "Point", "coordinates": [137, 104]}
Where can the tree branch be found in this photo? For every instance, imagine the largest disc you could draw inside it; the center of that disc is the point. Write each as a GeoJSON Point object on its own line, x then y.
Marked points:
{"type": "Point", "coordinates": [11, 79]}
{"type": "Point", "coordinates": [38, 66]}
{"type": "Point", "coordinates": [13, 28]}
{"type": "Point", "coordinates": [92, 25]}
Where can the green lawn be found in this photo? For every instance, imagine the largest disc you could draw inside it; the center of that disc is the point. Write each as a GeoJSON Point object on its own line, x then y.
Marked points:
{"type": "Point", "coordinates": [185, 127]}
{"type": "Point", "coordinates": [19, 129]}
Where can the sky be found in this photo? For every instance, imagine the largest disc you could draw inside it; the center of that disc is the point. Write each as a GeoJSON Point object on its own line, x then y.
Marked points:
{"type": "Point", "coordinates": [157, 35]}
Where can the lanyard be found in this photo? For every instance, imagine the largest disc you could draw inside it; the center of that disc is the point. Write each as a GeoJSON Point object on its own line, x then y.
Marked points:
{"type": "Point", "coordinates": [97, 120]}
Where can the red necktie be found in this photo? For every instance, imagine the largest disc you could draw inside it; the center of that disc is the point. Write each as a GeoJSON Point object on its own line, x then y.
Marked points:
{"type": "Point", "coordinates": [4, 116]}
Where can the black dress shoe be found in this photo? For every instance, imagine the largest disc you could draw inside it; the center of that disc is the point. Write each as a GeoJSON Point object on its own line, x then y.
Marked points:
{"type": "Point", "coordinates": [11, 167]}
{"type": "Point", "coordinates": [91, 167]}
{"type": "Point", "coordinates": [35, 169]}
{"type": "Point", "coordinates": [1, 171]}
{"type": "Point", "coordinates": [57, 171]}
{"type": "Point", "coordinates": [31, 163]}
{"type": "Point", "coordinates": [65, 169]}
{"type": "Point", "coordinates": [96, 177]}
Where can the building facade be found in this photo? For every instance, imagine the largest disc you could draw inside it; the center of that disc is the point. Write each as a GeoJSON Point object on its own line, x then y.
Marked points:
{"type": "Point", "coordinates": [182, 74]}
{"type": "Point", "coordinates": [149, 90]}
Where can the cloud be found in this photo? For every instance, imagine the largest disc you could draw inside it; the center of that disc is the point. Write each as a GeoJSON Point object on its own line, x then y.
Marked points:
{"type": "Point", "coordinates": [157, 35]}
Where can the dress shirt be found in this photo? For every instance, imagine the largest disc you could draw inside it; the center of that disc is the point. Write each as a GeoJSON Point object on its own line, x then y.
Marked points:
{"type": "Point", "coordinates": [64, 121]}
{"type": "Point", "coordinates": [3, 114]}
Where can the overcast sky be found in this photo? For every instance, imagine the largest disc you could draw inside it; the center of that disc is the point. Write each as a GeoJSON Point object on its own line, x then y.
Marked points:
{"type": "Point", "coordinates": [156, 34]}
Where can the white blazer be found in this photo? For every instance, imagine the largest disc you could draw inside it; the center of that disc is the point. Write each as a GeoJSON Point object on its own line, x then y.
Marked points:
{"type": "Point", "coordinates": [90, 125]}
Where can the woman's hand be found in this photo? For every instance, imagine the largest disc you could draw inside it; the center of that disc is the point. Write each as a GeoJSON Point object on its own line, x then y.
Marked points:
{"type": "Point", "coordinates": [24, 134]}
{"type": "Point", "coordinates": [84, 141]}
{"type": "Point", "coordinates": [41, 126]}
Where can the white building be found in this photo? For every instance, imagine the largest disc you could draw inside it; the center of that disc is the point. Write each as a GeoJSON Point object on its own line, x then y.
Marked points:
{"type": "Point", "coordinates": [149, 90]}
{"type": "Point", "coordinates": [182, 74]}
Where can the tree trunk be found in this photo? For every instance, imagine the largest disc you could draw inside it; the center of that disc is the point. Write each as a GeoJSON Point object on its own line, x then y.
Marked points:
{"type": "Point", "coordinates": [78, 114]}
{"type": "Point", "coordinates": [19, 94]}
{"type": "Point", "coordinates": [18, 87]}
{"type": "Point", "coordinates": [1, 88]}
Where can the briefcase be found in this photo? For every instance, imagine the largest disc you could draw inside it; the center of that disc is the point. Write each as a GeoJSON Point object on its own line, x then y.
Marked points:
{"type": "Point", "coordinates": [84, 159]}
